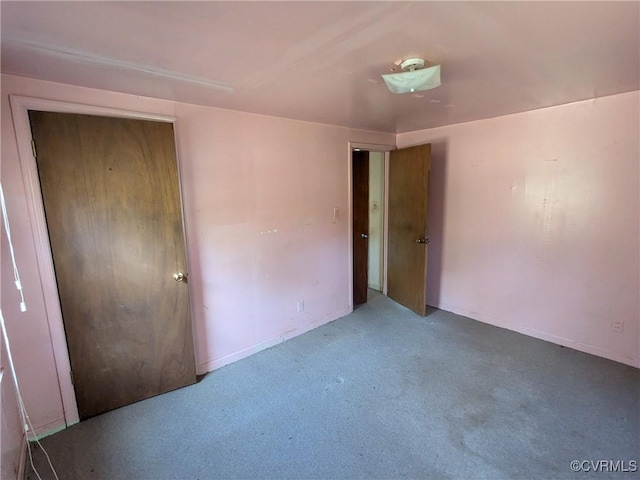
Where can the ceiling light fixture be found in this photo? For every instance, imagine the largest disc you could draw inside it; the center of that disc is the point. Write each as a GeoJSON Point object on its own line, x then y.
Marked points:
{"type": "Point", "coordinates": [414, 77]}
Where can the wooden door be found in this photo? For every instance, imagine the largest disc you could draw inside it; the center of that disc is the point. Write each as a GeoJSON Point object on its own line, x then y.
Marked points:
{"type": "Point", "coordinates": [408, 207]}
{"type": "Point", "coordinates": [112, 204]}
{"type": "Point", "coordinates": [360, 189]}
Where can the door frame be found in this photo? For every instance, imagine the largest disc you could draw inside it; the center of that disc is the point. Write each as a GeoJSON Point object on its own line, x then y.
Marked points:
{"type": "Point", "coordinates": [372, 147]}
{"type": "Point", "coordinates": [20, 107]}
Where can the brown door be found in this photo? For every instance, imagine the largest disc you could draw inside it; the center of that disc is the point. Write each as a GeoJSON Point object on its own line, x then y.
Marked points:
{"type": "Point", "coordinates": [111, 199]}
{"type": "Point", "coordinates": [408, 207]}
{"type": "Point", "coordinates": [360, 178]}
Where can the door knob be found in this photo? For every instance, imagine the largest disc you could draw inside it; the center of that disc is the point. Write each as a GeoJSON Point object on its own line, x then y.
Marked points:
{"type": "Point", "coordinates": [179, 277]}
{"type": "Point", "coordinates": [424, 240]}
{"type": "Point", "coordinates": [364, 235]}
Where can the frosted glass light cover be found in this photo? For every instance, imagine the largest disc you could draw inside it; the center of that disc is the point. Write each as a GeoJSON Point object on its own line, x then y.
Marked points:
{"type": "Point", "coordinates": [413, 81]}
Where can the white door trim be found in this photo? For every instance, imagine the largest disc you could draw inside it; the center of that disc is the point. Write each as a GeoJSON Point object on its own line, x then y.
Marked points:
{"type": "Point", "coordinates": [20, 107]}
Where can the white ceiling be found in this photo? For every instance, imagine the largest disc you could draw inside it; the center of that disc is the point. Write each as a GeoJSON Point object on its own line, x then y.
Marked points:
{"type": "Point", "coordinates": [322, 61]}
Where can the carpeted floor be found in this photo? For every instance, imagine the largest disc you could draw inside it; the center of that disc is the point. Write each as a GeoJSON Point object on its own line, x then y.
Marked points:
{"type": "Point", "coordinates": [381, 394]}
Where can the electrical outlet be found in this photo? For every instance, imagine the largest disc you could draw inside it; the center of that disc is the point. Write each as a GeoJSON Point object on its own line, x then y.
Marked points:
{"type": "Point", "coordinates": [301, 306]}
{"type": "Point", "coordinates": [617, 326]}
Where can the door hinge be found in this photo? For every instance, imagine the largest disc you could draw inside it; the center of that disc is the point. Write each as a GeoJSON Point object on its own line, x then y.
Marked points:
{"type": "Point", "coordinates": [73, 380]}
{"type": "Point", "coordinates": [33, 148]}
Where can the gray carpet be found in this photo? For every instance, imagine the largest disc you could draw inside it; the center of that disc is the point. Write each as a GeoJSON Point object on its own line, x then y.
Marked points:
{"type": "Point", "coordinates": [380, 394]}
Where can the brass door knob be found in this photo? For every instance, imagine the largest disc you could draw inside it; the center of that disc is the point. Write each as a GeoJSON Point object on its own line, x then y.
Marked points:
{"type": "Point", "coordinates": [179, 277]}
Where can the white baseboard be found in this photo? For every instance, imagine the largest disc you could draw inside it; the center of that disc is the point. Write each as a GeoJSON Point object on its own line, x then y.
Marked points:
{"type": "Point", "coordinates": [530, 332]}
{"type": "Point", "coordinates": [227, 359]}
{"type": "Point", "coordinates": [22, 461]}
{"type": "Point", "coordinates": [49, 429]}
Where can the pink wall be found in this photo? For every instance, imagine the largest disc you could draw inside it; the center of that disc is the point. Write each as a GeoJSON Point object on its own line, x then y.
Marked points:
{"type": "Point", "coordinates": [11, 436]}
{"type": "Point", "coordinates": [534, 223]}
{"type": "Point", "coordinates": [259, 194]}
{"type": "Point", "coordinates": [262, 236]}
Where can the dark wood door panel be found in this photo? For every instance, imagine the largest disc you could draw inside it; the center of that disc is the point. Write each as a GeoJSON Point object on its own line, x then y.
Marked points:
{"type": "Point", "coordinates": [360, 189]}
{"type": "Point", "coordinates": [111, 198]}
{"type": "Point", "coordinates": [408, 208]}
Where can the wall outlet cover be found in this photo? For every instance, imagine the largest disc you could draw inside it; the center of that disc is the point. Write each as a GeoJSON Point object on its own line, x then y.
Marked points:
{"type": "Point", "coordinates": [617, 326]}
